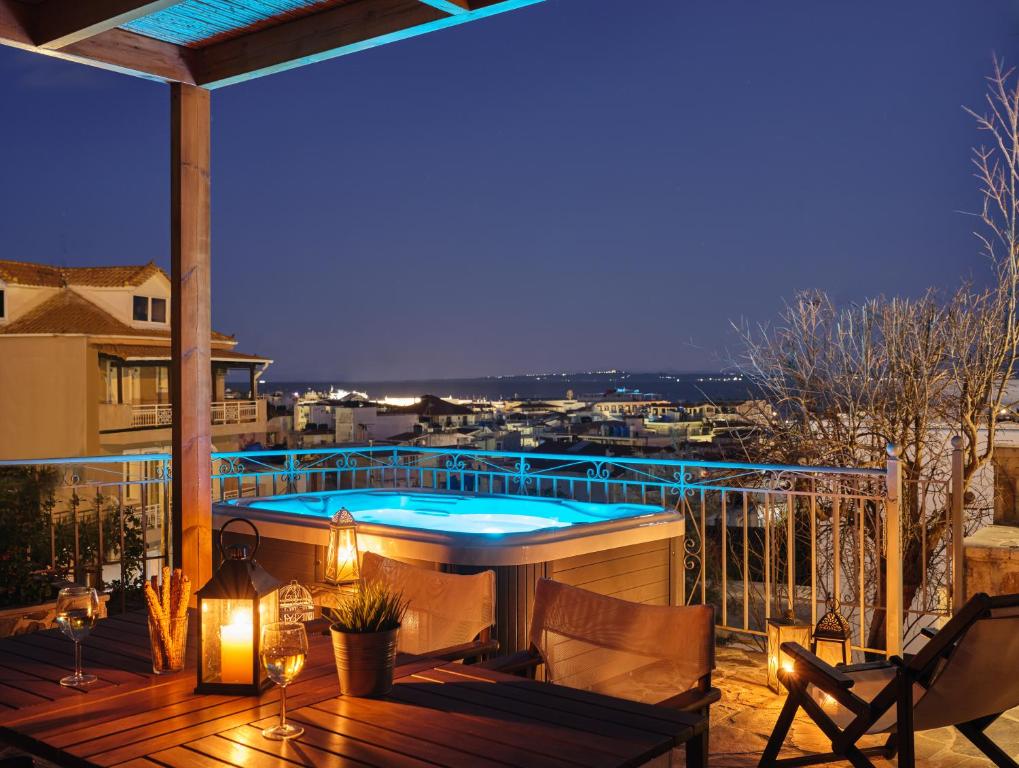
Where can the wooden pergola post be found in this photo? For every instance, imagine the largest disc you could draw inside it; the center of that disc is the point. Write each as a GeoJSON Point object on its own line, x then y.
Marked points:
{"type": "Point", "coordinates": [190, 325]}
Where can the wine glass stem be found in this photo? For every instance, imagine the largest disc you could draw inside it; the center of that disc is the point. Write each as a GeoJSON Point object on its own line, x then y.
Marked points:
{"type": "Point", "coordinates": [283, 706]}
{"type": "Point", "coordinates": [77, 658]}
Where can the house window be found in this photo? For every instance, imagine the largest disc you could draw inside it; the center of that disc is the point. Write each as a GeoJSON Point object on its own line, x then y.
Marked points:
{"type": "Point", "coordinates": [159, 310]}
{"type": "Point", "coordinates": [142, 312]}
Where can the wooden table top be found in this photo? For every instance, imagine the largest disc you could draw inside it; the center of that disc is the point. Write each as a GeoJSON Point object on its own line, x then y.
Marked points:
{"type": "Point", "coordinates": [438, 714]}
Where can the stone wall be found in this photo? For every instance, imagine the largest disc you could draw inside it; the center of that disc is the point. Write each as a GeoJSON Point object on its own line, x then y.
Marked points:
{"type": "Point", "coordinates": [1006, 485]}
{"type": "Point", "coordinates": [992, 561]}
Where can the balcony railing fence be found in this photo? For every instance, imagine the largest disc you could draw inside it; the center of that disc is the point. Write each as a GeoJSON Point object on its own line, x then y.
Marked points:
{"type": "Point", "coordinates": [224, 412]}
{"type": "Point", "coordinates": [760, 539]}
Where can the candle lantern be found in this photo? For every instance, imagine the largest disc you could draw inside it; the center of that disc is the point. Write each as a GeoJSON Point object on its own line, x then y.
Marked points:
{"type": "Point", "coordinates": [784, 630]}
{"type": "Point", "coordinates": [833, 637]}
{"type": "Point", "coordinates": [232, 608]}
{"type": "Point", "coordinates": [342, 556]}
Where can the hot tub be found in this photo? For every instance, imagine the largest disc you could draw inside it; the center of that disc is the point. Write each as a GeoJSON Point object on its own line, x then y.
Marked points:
{"type": "Point", "coordinates": [632, 551]}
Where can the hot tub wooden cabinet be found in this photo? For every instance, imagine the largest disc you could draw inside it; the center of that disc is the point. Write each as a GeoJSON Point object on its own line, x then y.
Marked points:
{"type": "Point", "coordinates": [629, 551]}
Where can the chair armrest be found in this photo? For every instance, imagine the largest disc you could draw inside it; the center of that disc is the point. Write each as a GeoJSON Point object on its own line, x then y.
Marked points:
{"type": "Point", "coordinates": [514, 664]}
{"type": "Point", "coordinates": [695, 700]}
{"type": "Point", "coordinates": [819, 672]}
{"type": "Point", "coordinates": [883, 664]}
{"type": "Point", "coordinates": [810, 669]}
{"type": "Point", "coordinates": [472, 650]}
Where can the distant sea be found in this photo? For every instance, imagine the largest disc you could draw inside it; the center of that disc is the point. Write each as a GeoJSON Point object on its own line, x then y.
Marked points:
{"type": "Point", "coordinates": [680, 387]}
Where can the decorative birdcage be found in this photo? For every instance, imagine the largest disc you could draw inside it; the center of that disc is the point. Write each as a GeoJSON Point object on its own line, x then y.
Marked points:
{"type": "Point", "coordinates": [295, 603]}
{"type": "Point", "coordinates": [833, 637]}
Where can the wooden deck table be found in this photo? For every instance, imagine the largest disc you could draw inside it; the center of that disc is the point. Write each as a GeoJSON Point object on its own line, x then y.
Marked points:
{"type": "Point", "coordinates": [438, 714]}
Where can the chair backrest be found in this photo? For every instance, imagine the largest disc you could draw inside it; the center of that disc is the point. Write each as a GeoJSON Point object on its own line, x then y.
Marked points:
{"type": "Point", "coordinates": [588, 640]}
{"type": "Point", "coordinates": [444, 609]}
{"type": "Point", "coordinates": [977, 674]}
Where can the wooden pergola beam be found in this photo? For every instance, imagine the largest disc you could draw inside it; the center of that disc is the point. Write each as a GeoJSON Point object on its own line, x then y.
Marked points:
{"type": "Point", "coordinates": [115, 49]}
{"type": "Point", "coordinates": [190, 330]}
{"type": "Point", "coordinates": [338, 31]}
{"type": "Point", "coordinates": [87, 32]}
{"type": "Point", "coordinates": [60, 23]}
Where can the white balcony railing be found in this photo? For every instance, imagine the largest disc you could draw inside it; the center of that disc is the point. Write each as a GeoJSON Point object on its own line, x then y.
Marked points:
{"type": "Point", "coordinates": [235, 412]}
{"type": "Point", "coordinates": [226, 412]}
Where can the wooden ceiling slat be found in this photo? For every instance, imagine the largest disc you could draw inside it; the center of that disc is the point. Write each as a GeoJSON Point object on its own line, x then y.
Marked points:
{"type": "Point", "coordinates": [59, 23]}
{"type": "Point", "coordinates": [449, 6]}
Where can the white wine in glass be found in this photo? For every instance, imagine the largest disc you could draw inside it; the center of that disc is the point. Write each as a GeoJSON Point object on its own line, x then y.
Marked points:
{"type": "Point", "coordinates": [283, 650]}
{"type": "Point", "coordinates": [76, 614]}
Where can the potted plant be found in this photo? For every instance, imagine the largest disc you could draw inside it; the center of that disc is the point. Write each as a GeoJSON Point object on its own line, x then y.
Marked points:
{"type": "Point", "coordinates": [364, 628]}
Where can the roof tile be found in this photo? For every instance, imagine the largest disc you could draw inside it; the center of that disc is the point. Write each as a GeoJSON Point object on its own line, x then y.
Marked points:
{"type": "Point", "coordinates": [26, 273]}
{"type": "Point", "coordinates": [70, 313]}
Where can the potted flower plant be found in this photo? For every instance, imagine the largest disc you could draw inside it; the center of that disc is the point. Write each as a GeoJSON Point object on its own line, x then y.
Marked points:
{"type": "Point", "coordinates": [364, 628]}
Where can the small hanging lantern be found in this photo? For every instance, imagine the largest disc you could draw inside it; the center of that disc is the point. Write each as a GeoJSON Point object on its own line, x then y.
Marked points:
{"type": "Point", "coordinates": [784, 630]}
{"type": "Point", "coordinates": [233, 606]}
{"type": "Point", "coordinates": [342, 556]}
{"type": "Point", "coordinates": [833, 637]}
{"type": "Point", "coordinates": [295, 603]}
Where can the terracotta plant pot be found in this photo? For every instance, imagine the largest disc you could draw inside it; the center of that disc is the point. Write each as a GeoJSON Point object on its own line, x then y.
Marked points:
{"type": "Point", "coordinates": [364, 661]}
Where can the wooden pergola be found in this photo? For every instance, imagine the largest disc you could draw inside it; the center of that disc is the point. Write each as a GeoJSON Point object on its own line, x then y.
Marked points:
{"type": "Point", "coordinates": [197, 46]}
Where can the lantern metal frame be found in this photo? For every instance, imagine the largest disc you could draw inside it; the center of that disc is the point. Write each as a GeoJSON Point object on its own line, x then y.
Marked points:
{"type": "Point", "coordinates": [339, 524]}
{"type": "Point", "coordinates": [783, 630]}
{"type": "Point", "coordinates": [833, 629]}
{"type": "Point", "coordinates": [239, 578]}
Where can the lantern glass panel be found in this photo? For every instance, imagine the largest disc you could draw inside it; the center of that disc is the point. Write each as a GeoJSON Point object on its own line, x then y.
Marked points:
{"type": "Point", "coordinates": [228, 646]}
{"type": "Point", "coordinates": [783, 631]}
{"type": "Point", "coordinates": [833, 650]}
{"type": "Point", "coordinates": [341, 559]}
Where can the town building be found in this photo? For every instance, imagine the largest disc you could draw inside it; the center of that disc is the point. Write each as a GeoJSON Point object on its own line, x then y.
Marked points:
{"type": "Point", "coordinates": [85, 366]}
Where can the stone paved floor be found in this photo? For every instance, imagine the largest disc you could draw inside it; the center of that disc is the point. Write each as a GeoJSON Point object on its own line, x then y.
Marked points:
{"type": "Point", "coordinates": [743, 720]}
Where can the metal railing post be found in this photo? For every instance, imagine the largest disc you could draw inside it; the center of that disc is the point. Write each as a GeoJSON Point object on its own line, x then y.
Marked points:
{"type": "Point", "coordinates": [958, 533]}
{"type": "Point", "coordinates": [893, 554]}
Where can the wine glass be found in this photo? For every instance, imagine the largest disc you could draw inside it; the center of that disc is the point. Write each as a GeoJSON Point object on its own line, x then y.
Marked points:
{"type": "Point", "coordinates": [77, 611]}
{"type": "Point", "coordinates": [284, 647]}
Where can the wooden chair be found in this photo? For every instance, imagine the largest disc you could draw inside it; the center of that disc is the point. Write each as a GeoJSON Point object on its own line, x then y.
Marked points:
{"type": "Point", "coordinates": [449, 616]}
{"type": "Point", "coordinates": [966, 676]}
{"type": "Point", "coordinates": [654, 654]}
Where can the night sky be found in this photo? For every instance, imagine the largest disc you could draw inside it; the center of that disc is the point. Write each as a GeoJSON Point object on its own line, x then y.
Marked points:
{"type": "Point", "coordinates": [565, 187]}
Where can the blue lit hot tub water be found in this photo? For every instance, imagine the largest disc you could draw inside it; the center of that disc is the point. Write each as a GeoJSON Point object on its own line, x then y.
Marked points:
{"type": "Point", "coordinates": [454, 513]}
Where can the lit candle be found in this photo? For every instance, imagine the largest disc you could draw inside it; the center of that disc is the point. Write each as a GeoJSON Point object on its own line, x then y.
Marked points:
{"type": "Point", "coordinates": [235, 648]}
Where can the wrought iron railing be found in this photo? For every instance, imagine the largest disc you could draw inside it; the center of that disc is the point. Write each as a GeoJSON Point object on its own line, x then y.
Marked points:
{"type": "Point", "coordinates": [761, 539]}
{"type": "Point", "coordinates": [101, 520]}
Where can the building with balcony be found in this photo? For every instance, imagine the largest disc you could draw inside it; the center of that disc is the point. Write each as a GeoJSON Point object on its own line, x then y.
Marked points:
{"type": "Point", "coordinates": [86, 364]}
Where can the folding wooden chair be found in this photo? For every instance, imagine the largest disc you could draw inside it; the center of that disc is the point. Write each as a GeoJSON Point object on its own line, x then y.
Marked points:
{"type": "Point", "coordinates": [449, 616]}
{"type": "Point", "coordinates": [966, 676]}
{"type": "Point", "coordinates": [656, 654]}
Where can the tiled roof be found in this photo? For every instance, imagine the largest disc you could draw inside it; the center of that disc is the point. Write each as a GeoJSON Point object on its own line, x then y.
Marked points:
{"type": "Point", "coordinates": [70, 313]}
{"type": "Point", "coordinates": [140, 352]}
{"type": "Point", "coordinates": [25, 273]}
{"type": "Point", "coordinates": [430, 405]}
